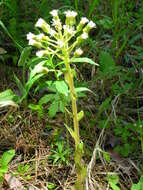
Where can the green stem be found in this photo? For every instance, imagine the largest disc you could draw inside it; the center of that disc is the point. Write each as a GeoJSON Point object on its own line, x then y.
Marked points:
{"type": "Point", "coordinates": [78, 153]}
{"type": "Point", "coordinates": [73, 99]}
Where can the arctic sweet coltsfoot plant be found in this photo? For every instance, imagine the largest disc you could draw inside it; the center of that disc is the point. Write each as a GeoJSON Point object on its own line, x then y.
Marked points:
{"type": "Point", "coordinates": [61, 43]}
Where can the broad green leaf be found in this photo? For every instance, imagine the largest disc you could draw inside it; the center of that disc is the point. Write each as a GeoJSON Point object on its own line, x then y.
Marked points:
{"type": "Point", "coordinates": [7, 157]}
{"type": "Point", "coordinates": [61, 87]}
{"type": "Point", "coordinates": [24, 56]}
{"type": "Point", "coordinates": [83, 60]}
{"type": "Point", "coordinates": [53, 109]}
{"type": "Point", "coordinates": [46, 98]}
{"type": "Point", "coordinates": [107, 64]}
{"type": "Point", "coordinates": [7, 98]}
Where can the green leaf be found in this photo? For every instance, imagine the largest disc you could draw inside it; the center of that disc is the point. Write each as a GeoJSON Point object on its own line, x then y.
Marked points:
{"type": "Point", "coordinates": [7, 157]}
{"type": "Point", "coordinates": [61, 87]}
{"type": "Point", "coordinates": [53, 109]}
{"type": "Point", "coordinates": [30, 83]}
{"type": "Point", "coordinates": [37, 69]}
{"type": "Point", "coordinates": [4, 169]}
{"type": "Point", "coordinates": [114, 186]}
{"type": "Point", "coordinates": [7, 98]}
{"type": "Point", "coordinates": [51, 186]}
{"type": "Point", "coordinates": [19, 85]}
{"type": "Point", "coordinates": [82, 89]}
{"type": "Point", "coordinates": [107, 64]}
{"type": "Point", "coordinates": [71, 131]}
{"type": "Point", "coordinates": [83, 60]}
{"type": "Point", "coordinates": [36, 107]}
{"type": "Point", "coordinates": [46, 98]}
{"type": "Point", "coordinates": [139, 185]}
{"type": "Point", "coordinates": [61, 107]}
{"type": "Point", "coordinates": [7, 32]}
{"type": "Point", "coordinates": [113, 178]}
{"type": "Point", "coordinates": [106, 156]}
{"type": "Point", "coordinates": [24, 56]}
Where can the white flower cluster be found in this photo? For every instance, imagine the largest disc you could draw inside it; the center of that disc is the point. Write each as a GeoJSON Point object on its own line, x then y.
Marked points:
{"type": "Point", "coordinates": [58, 35]}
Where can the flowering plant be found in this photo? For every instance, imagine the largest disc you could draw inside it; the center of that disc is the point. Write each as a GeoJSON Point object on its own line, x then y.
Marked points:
{"type": "Point", "coordinates": [62, 42]}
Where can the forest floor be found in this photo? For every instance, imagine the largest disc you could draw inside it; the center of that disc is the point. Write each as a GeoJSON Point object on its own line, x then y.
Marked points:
{"type": "Point", "coordinates": [34, 139]}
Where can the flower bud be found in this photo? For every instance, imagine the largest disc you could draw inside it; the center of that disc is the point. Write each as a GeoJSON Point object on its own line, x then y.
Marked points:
{"type": "Point", "coordinates": [70, 17]}
{"type": "Point", "coordinates": [41, 37]}
{"type": "Point", "coordinates": [89, 26]}
{"type": "Point", "coordinates": [78, 52]}
{"type": "Point", "coordinates": [54, 13]}
{"type": "Point", "coordinates": [82, 37]}
{"type": "Point", "coordinates": [30, 36]}
{"type": "Point", "coordinates": [35, 43]}
{"type": "Point", "coordinates": [83, 21]}
{"type": "Point", "coordinates": [43, 25]}
{"type": "Point", "coordinates": [42, 53]}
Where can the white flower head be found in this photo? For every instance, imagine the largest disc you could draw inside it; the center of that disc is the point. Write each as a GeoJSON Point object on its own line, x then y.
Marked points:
{"type": "Point", "coordinates": [40, 22]}
{"type": "Point", "coordinates": [54, 13]}
{"type": "Point", "coordinates": [70, 14]}
{"type": "Point", "coordinates": [30, 36]}
{"type": "Point", "coordinates": [84, 20]}
{"type": "Point", "coordinates": [91, 24]}
{"type": "Point", "coordinates": [78, 52]}
{"type": "Point", "coordinates": [60, 43]}
{"type": "Point", "coordinates": [40, 53]}
{"type": "Point", "coordinates": [84, 36]}
{"type": "Point", "coordinates": [40, 36]}
{"type": "Point", "coordinates": [32, 42]}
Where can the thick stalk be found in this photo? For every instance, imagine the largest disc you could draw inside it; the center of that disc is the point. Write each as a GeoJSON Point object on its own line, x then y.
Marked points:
{"type": "Point", "coordinates": [78, 153]}
{"type": "Point", "coordinates": [73, 99]}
